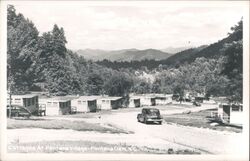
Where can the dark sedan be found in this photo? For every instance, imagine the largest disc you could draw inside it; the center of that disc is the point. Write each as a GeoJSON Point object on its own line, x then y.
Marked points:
{"type": "Point", "coordinates": [150, 115]}
{"type": "Point", "coordinates": [18, 111]}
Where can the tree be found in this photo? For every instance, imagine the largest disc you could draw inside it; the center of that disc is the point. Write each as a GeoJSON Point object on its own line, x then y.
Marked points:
{"type": "Point", "coordinates": [54, 65]}
{"type": "Point", "coordinates": [233, 66]}
{"type": "Point", "coordinates": [119, 84]}
{"type": "Point", "coordinates": [142, 86]}
{"type": "Point", "coordinates": [233, 69]}
{"type": "Point", "coordinates": [94, 84]}
{"type": "Point", "coordinates": [22, 37]}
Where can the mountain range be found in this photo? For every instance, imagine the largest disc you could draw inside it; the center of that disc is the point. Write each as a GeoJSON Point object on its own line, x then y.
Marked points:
{"type": "Point", "coordinates": [123, 55]}
{"type": "Point", "coordinates": [174, 50]}
{"type": "Point", "coordinates": [184, 55]}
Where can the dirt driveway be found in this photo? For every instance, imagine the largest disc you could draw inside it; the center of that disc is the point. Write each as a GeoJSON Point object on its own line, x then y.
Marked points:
{"type": "Point", "coordinates": [206, 140]}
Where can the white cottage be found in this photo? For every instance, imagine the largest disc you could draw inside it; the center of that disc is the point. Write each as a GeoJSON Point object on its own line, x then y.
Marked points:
{"type": "Point", "coordinates": [147, 99]}
{"type": "Point", "coordinates": [108, 103]}
{"type": "Point", "coordinates": [29, 101]}
{"type": "Point", "coordinates": [85, 103]}
{"type": "Point", "coordinates": [56, 105]}
{"type": "Point", "coordinates": [163, 99]}
{"type": "Point", "coordinates": [134, 101]}
{"type": "Point", "coordinates": [231, 113]}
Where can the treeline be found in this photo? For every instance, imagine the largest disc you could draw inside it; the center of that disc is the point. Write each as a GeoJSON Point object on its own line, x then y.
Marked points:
{"type": "Point", "coordinates": [42, 62]}
{"type": "Point", "coordinates": [134, 64]}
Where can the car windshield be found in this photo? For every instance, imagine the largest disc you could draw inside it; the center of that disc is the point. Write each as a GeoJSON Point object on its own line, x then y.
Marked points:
{"type": "Point", "coordinates": [19, 108]}
{"type": "Point", "coordinates": [153, 112]}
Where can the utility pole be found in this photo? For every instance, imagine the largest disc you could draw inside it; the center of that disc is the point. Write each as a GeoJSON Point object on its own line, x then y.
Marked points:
{"type": "Point", "coordinates": [10, 82]}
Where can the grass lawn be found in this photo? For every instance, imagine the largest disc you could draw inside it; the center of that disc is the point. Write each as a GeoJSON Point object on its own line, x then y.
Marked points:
{"type": "Point", "coordinates": [88, 147]}
{"type": "Point", "coordinates": [199, 119]}
{"type": "Point", "coordinates": [62, 124]}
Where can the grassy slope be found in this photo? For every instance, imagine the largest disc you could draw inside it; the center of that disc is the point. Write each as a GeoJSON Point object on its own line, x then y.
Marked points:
{"type": "Point", "coordinates": [199, 119]}
{"type": "Point", "coordinates": [62, 124]}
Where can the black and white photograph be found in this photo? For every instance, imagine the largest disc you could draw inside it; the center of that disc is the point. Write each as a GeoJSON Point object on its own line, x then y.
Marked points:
{"type": "Point", "coordinates": [117, 80]}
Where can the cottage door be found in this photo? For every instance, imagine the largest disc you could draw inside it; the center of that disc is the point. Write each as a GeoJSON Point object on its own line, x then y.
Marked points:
{"type": "Point", "coordinates": [226, 114]}
{"type": "Point", "coordinates": [60, 108]}
{"type": "Point", "coordinates": [152, 101]}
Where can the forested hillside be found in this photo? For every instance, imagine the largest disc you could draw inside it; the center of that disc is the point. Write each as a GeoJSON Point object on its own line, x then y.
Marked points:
{"type": "Point", "coordinates": [123, 55]}
{"type": "Point", "coordinates": [44, 63]}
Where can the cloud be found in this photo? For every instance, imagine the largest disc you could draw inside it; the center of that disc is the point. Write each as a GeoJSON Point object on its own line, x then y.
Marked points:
{"type": "Point", "coordinates": [117, 27]}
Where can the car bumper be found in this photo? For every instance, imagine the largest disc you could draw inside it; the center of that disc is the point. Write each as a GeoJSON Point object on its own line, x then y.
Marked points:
{"type": "Point", "coordinates": [154, 120]}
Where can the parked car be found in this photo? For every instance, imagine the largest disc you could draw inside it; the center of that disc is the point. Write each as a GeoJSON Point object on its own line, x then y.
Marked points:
{"type": "Point", "coordinates": [18, 111]}
{"type": "Point", "coordinates": [196, 103]}
{"type": "Point", "coordinates": [175, 97]}
{"type": "Point", "coordinates": [149, 115]}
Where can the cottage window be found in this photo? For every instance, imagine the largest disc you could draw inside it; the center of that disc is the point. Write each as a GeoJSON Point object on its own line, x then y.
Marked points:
{"type": "Point", "coordinates": [103, 101]}
{"type": "Point", "coordinates": [235, 108]}
{"type": "Point", "coordinates": [33, 101]}
{"type": "Point", "coordinates": [79, 102]}
{"type": "Point", "coordinates": [29, 102]}
{"type": "Point", "coordinates": [17, 100]}
{"type": "Point", "coordinates": [25, 103]}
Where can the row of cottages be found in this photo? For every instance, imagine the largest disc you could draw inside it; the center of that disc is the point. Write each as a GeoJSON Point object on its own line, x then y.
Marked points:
{"type": "Point", "coordinates": [63, 105]}
{"type": "Point", "coordinates": [29, 101]}
{"type": "Point", "coordinates": [67, 104]}
{"type": "Point", "coordinates": [96, 103]}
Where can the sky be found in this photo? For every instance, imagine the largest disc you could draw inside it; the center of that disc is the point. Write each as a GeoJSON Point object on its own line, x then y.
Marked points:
{"type": "Point", "coordinates": [112, 26]}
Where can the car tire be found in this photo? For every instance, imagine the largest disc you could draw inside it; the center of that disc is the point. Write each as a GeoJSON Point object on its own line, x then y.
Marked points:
{"type": "Point", "coordinates": [160, 122]}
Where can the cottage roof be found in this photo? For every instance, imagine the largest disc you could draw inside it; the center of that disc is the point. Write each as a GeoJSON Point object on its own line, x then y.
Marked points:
{"type": "Point", "coordinates": [55, 98]}
{"type": "Point", "coordinates": [39, 92]}
{"type": "Point", "coordinates": [24, 96]}
{"type": "Point", "coordinates": [134, 97]}
{"type": "Point", "coordinates": [89, 98]}
{"type": "Point", "coordinates": [145, 96]}
{"type": "Point", "coordinates": [110, 98]}
{"type": "Point", "coordinates": [161, 95]}
{"type": "Point", "coordinates": [223, 100]}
